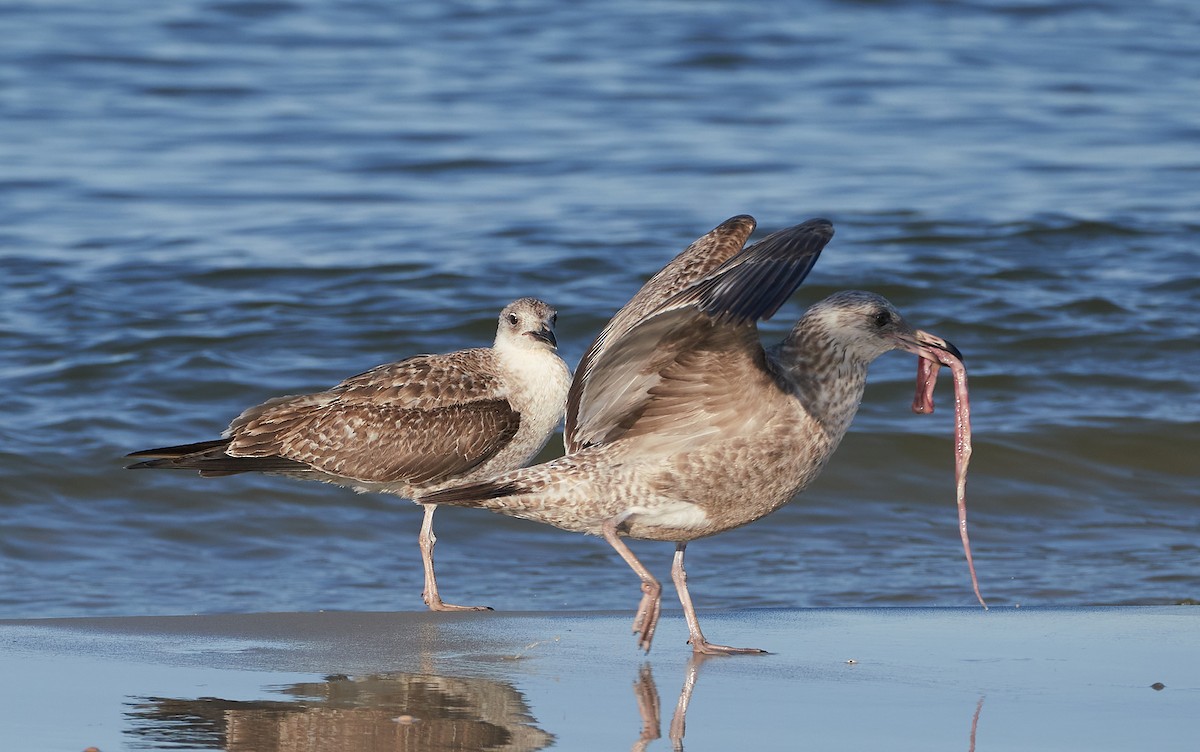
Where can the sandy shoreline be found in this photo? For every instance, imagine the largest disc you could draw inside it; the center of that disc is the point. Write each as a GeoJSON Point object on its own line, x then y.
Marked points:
{"type": "Point", "coordinates": [1092, 678]}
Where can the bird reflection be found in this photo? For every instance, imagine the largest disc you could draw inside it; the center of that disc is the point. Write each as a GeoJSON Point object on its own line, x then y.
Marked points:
{"type": "Point", "coordinates": [975, 723]}
{"type": "Point", "coordinates": [419, 712]}
{"type": "Point", "coordinates": [646, 693]}
{"type": "Point", "coordinates": [649, 707]}
{"type": "Point", "coordinates": [394, 712]}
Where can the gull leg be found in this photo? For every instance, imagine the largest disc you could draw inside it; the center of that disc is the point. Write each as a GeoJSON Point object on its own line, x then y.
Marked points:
{"type": "Point", "coordinates": [430, 594]}
{"type": "Point", "coordinates": [695, 636]}
{"type": "Point", "coordinates": [646, 620]}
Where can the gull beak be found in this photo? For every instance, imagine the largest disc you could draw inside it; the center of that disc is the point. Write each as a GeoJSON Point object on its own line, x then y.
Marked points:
{"type": "Point", "coordinates": [545, 334]}
{"type": "Point", "coordinates": [921, 343]}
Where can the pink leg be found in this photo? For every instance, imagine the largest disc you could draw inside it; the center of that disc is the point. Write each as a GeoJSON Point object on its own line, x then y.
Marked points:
{"type": "Point", "coordinates": [695, 636]}
{"type": "Point", "coordinates": [646, 620]}
{"type": "Point", "coordinates": [430, 594]}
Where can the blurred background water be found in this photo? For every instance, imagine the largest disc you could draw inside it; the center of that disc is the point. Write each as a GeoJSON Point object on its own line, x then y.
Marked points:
{"type": "Point", "coordinates": [204, 204]}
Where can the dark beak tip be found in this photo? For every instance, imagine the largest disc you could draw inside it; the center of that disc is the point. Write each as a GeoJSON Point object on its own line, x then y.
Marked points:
{"type": "Point", "coordinates": [941, 343]}
{"type": "Point", "coordinates": [950, 348]}
{"type": "Point", "coordinates": [545, 335]}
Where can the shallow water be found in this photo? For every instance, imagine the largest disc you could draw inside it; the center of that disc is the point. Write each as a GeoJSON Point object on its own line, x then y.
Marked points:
{"type": "Point", "coordinates": [206, 204]}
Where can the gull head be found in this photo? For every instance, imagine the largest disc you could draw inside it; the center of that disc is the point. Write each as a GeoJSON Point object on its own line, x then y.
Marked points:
{"type": "Point", "coordinates": [527, 324]}
{"type": "Point", "coordinates": [864, 325]}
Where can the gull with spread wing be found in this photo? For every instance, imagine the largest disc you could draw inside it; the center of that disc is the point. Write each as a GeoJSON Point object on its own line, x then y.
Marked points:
{"type": "Point", "coordinates": [681, 425]}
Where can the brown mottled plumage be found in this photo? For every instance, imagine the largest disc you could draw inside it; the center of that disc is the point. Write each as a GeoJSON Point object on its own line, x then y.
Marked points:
{"type": "Point", "coordinates": [689, 427]}
{"type": "Point", "coordinates": [695, 262]}
{"type": "Point", "coordinates": [406, 428]}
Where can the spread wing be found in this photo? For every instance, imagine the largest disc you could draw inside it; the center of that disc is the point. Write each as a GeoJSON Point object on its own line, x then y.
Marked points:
{"type": "Point", "coordinates": [423, 419]}
{"type": "Point", "coordinates": [695, 262]}
{"type": "Point", "coordinates": [677, 368]}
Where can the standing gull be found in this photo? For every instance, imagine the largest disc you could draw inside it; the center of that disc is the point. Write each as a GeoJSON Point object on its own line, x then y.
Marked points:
{"type": "Point", "coordinates": [683, 426]}
{"type": "Point", "coordinates": [406, 428]}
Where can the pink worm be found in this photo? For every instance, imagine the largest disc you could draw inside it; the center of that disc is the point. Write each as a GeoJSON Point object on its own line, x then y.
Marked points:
{"type": "Point", "coordinates": [923, 403]}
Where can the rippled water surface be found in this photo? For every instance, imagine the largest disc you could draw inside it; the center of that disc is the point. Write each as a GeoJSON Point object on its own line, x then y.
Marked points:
{"type": "Point", "coordinates": [206, 204]}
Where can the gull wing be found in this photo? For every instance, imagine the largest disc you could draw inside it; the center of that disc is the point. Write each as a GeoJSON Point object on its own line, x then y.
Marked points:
{"type": "Point", "coordinates": [676, 359]}
{"type": "Point", "coordinates": [423, 419]}
{"type": "Point", "coordinates": [695, 262]}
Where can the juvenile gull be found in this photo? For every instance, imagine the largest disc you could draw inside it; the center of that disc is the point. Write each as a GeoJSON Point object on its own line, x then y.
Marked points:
{"type": "Point", "coordinates": [406, 428]}
{"type": "Point", "coordinates": [684, 426]}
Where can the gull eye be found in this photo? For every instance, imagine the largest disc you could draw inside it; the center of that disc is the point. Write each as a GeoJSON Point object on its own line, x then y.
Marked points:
{"type": "Point", "coordinates": [882, 318]}
{"type": "Point", "coordinates": [512, 319]}
{"type": "Point", "coordinates": [553, 319]}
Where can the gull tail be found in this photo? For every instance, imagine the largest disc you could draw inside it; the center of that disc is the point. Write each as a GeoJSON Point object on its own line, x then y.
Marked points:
{"type": "Point", "coordinates": [526, 494]}
{"type": "Point", "coordinates": [210, 459]}
{"type": "Point", "coordinates": [488, 494]}
{"type": "Point", "coordinates": [549, 493]}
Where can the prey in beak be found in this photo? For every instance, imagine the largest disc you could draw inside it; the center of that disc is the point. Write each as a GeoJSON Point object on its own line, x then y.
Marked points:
{"type": "Point", "coordinates": [932, 353]}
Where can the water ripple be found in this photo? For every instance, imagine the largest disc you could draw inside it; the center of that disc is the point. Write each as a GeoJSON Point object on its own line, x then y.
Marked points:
{"type": "Point", "coordinates": [212, 203]}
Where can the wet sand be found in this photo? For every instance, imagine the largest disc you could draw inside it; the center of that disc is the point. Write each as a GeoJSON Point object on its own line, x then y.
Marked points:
{"type": "Point", "coordinates": [921, 679]}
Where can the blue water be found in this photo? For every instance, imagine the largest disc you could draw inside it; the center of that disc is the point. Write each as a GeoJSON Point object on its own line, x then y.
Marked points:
{"type": "Point", "coordinates": [207, 204]}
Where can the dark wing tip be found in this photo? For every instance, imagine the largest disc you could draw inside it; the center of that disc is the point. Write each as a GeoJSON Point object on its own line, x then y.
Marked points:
{"type": "Point", "coordinates": [756, 282]}
{"type": "Point", "coordinates": [738, 221]}
{"type": "Point", "coordinates": [181, 449]}
{"type": "Point", "coordinates": [209, 458]}
{"type": "Point", "coordinates": [819, 222]}
{"type": "Point", "coordinates": [145, 464]}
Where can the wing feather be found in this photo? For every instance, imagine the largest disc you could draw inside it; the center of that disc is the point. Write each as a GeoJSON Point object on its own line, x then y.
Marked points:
{"type": "Point", "coordinates": [695, 262]}
{"type": "Point", "coordinates": [756, 282]}
{"type": "Point", "coordinates": [385, 444]}
{"type": "Point", "coordinates": [423, 419]}
{"type": "Point", "coordinates": [712, 319]}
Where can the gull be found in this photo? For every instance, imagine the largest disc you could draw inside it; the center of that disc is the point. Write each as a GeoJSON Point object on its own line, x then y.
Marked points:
{"type": "Point", "coordinates": [681, 425]}
{"type": "Point", "coordinates": [406, 428]}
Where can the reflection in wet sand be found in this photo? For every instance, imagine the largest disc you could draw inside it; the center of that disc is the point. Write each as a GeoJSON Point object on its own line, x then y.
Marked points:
{"type": "Point", "coordinates": [649, 706]}
{"type": "Point", "coordinates": [679, 720]}
{"type": "Point", "coordinates": [395, 712]}
{"type": "Point", "coordinates": [975, 723]}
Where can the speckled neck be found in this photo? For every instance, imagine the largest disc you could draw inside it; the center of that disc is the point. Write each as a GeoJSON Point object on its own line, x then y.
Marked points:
{"type": "Point", "coordinates": [827, 381]}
